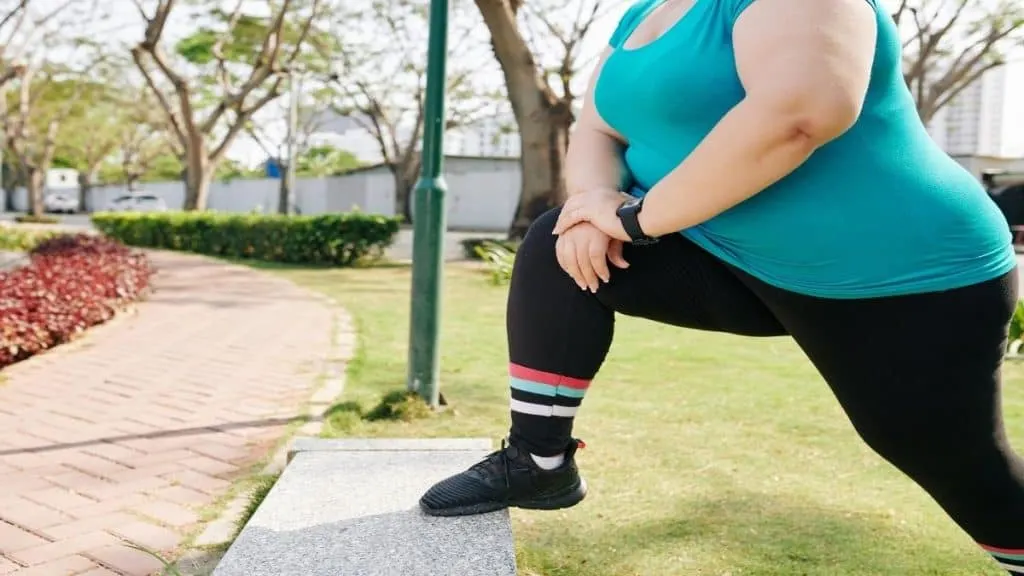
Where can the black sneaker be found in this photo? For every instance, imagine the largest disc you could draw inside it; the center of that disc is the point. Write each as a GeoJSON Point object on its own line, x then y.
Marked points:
{"type": "Point", "coordinates": [508, 477]}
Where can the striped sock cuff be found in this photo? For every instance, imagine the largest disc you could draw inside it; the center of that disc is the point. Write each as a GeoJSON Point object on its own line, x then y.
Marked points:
{"type": "Point", "coordinates": [1008, 558]}
{"type": "Point", "coordinates": [541, 393]}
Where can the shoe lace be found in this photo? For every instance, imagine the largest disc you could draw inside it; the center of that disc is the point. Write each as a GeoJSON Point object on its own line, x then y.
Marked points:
{"type": "Point", "coordinates": [497, 458]}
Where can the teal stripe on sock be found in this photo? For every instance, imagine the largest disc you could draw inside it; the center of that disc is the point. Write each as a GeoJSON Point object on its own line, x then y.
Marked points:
{"type": "Point", "coordinates": [545, 389]}
{"type": "Point", "coordinates": [1004, 556]}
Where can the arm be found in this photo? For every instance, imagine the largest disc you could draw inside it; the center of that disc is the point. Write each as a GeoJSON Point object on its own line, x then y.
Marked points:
{"type": "Point", "coordinates": [594, 158]}
{"type": "Point", "coordinates": [805, 66]}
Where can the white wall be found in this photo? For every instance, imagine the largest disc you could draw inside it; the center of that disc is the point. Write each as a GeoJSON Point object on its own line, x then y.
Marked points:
{"type": "Point", "coordinates": [482, 193]}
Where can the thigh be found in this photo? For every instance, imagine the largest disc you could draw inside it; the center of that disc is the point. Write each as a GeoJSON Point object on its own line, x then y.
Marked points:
{"type": "Point", "coordinates": [917, 375]}
{"type": "Point", "coordinates": [676, 282]}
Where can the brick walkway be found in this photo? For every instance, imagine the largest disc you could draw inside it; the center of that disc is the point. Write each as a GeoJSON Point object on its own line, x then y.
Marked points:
{"type": "Point", "coordinates": [131, 432]}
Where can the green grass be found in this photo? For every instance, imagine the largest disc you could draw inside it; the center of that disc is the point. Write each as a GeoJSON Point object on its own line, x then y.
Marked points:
{"type": "Point", "coordinates": [707, 454]}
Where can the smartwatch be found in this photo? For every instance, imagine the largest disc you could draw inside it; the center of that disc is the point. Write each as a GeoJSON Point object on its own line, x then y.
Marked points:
{"type": "Point", "coordinates": [629, 214]}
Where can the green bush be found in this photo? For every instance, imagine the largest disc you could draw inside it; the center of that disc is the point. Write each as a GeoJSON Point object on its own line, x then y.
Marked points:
{"type": "Point", "coordinates": [332, 239]}
{"type": "Point", "coordinates": [21, 240]}
{"type": "Point", "coordinates": [1017, 323]}
{"type": "Point", "coordinates": [499, 261]}
{"type": "Point", "coordinates": [30, 219]}
{"type": "Point", "coordinates": [470, 246]}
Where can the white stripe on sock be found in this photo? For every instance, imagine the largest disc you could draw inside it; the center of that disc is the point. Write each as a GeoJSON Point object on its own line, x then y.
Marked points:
{"type": "Point", "coordinates": [542, 410]}
{"type": "Point", "coordinates": [563, 411]}
{"type": "Point", "coordinates": [1013, 569]}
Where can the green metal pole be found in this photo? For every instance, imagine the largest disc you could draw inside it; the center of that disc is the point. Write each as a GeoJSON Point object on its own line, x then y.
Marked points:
{"type": "Point", "coordinates": [429, 221]}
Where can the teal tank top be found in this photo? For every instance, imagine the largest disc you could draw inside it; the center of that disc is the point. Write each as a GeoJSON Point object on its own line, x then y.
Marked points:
{"type": "Point", "coordinates": [879, 211]}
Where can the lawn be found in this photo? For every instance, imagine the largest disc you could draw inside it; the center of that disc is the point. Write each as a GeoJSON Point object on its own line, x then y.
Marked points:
{"type": "Point", "coordinates": [707, 454]}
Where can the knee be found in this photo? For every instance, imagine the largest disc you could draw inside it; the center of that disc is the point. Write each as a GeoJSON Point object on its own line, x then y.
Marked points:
{"type": "Point", "coordinates": [932, 454]}
{"type": "Point", "coordinates": [539, 240]}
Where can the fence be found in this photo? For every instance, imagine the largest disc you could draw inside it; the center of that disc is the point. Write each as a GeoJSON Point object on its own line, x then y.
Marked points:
{"type": "Point", "coordinates": [483, 193]}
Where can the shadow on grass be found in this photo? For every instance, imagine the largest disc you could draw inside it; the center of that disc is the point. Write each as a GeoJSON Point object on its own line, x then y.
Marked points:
{"type": "Point", "coordinates": [746, 534]}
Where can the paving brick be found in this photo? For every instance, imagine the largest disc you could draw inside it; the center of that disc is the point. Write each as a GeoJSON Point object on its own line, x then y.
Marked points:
{"type": "Point", "coordinates": [109, 506]}
{"type": "Point", "coordinates": [59, 498]}
{"type": "Point", "coordinates": [19, 482]}
{"type": "Point", "coordinates": [197, 481]}
{"type": "Point", "coordinates": [123, 489]}
{"type": "Point", "coordinates": [115, 453]}
{"type": "Point", "coordinates": [125, 560]}
{"type": "Point", "coordinates": [167, 513]}
{"type": "Point", "coordinates": [147, 535]}
{"type": "Point", "coordinates": [66, 566]}
{"type": "Point", "coordinates": [7, 567]}
{"type": "Point", "coordinates": [90, 439]}
{"type": "Point", "coordinates": [56, 550]}
{"type": "Point", "coordinates": [13, 538]}
{"type": "Point", "coordinates": [104, 521]}
{"type": "Point", "coordinates": [98, 572]}
{"type": "Point", "coordinates": [207, 465]}
{"type": "Point", "coordinates": [30, 515]}
{"type": "Point", "coordinates": [182, 495]}
{"type": "Point", "coordinates": [94, 465]}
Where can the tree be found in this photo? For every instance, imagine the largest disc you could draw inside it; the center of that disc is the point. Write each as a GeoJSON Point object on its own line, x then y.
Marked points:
{"type": "Point", "coordinates": [90, 137]}
{"type": "Point", "coordinates": [383, 80]}
{"type": "Point", "coordinates": [539, 48]}
{"type": "Point", "coordinates": [325, 160]}
{"type": "Point", "coordinates": [274, 134]}
{"type": "Point", "coordinates": [949, 45]}
{"type": "Point", "coordinates": [27, 33]}
{"type": "Point", "coordinates": [240, 61]}
{"type": "Point", "coordinates": [144, 141]}
{"type": "Point", "coordinates": [47, 96]}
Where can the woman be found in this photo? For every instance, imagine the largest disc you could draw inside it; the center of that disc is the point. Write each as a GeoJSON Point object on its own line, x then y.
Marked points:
{"type": "Point", "coordinates": [779, 138]}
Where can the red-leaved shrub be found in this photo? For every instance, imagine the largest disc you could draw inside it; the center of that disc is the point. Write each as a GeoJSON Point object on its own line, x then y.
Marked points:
{"type": "Point", "coordinates": [72, 282]}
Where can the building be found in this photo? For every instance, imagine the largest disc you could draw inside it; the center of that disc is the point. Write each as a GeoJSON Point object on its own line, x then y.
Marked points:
{"type": "Point", "coordinates": [987, 118]}
{"type": "Point", "coordinates": [61, 179]}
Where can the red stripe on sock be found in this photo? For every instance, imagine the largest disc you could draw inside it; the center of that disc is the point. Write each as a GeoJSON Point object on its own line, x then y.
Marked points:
{"type": "Point", "coordinates": [549, 378]}
{"type": "Point", "coordinates": [1002, 550]}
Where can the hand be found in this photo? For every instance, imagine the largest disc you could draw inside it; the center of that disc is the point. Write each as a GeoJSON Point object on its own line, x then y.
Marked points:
{"type": "Point", "coordinates": [583, 252]}
{"type": "Point", "coordinates": [597, 207]}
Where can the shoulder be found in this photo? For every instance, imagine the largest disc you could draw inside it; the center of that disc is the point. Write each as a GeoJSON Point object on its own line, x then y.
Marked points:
{"type": "Point", "coordinates": [632, 17]}
{"type": "Point", "coordinates": [736, 7]}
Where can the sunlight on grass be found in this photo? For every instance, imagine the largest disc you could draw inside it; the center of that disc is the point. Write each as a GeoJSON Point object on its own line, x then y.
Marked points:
{"type": "Point", "coordinates": [707, 454]}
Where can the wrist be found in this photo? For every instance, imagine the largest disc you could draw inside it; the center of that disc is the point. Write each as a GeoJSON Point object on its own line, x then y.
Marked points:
{"type": "Point", "coordinates": [644, 220]}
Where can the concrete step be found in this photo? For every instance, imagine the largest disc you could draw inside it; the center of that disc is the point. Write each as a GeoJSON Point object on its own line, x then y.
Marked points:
{"type": "Point", "coordinates": [349, 508]}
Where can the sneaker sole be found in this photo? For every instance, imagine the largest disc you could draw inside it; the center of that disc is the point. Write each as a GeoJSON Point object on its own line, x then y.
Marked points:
{"type": "Point", "coordinates": [565, 499]}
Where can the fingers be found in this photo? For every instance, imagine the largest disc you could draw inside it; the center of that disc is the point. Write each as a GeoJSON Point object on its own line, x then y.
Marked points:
{"type": "Point", "coordinates": [572, 214]}
{"type": "Point", "coordinates": [597, 251]}
{"type": "Point", "coordinates": [615, 254]}
{"type": "Point", "coordinates": [565, 251]}
{"type": "Point", "coordinates": [586, 268]}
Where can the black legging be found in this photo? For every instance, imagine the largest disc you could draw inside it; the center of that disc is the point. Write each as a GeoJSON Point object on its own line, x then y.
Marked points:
{"type": "Point", "coordinates": [918, 376]}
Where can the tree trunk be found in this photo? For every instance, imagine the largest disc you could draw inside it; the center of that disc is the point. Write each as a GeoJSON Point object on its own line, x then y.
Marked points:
{"type": "Point", "coordinates": [11, 178]}
{"type": "Point", "coordinates": [405, 181]}
{"type": "Point", "coordinates": [198, 174]}
{"type": "Point", "coordinates": [543, 119]}
{"type": "Point", "coordinates": [282, 193]}
{"type": "Point", "coordinates": [544, 141]}
{"type": "Point", "coordinates": [36, 183]}
{"type": "Point", "coordinates": [85, 184]}
{"type": "Point", "coordinates": [131, 180]}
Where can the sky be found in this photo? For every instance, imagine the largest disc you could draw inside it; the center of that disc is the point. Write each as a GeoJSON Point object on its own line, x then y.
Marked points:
{"type": "Point", "coordinates": [124, 26]}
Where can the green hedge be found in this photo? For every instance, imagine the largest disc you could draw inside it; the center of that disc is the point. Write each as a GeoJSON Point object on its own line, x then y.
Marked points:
{"type": "Point", "coordinates": [14, 239]}
{"type": "Point", "coordinates": [334, 239]}
{"type": "Point", "coordinates": [471, 246]}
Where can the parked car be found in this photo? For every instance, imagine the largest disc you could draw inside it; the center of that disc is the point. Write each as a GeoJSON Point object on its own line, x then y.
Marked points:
{"type": "Point", "coordinates": [137, 203]}
{"type": "Point", "coordinates": [60, 203]}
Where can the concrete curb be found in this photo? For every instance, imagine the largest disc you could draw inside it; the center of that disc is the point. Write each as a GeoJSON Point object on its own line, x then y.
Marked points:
{"type": "Point", "coordinates": [350, 507]}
